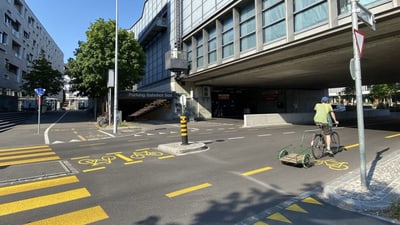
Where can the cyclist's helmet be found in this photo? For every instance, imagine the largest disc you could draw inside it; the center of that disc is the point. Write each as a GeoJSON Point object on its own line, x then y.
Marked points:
{"type": "Point", "coordinates": [324, 99]}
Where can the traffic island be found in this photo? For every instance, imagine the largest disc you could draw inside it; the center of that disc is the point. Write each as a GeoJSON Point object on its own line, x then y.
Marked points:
{"type": "Point", "coordinates": [177, 148]}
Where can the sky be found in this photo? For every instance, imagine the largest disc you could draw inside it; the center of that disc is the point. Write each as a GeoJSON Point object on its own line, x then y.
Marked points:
{"type": "Point", "coordinates": [68, 20]}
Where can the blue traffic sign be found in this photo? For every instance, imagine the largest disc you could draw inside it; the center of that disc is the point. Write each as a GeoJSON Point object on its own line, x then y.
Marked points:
{"type": "Point", "coordinates": [40, 91]}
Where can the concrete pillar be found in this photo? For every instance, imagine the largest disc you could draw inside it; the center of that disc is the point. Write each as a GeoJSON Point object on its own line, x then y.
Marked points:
{"type": "Point", "coordinates": [333, 13]}
{"type": "Point", "coordinates": [219, 41]}
{"type": "Point", "coordinates": [236, 33]}
{"type": "Point", "coordinates": [259, 25]}
{"type": "Point", "coordinates": [289, 21]}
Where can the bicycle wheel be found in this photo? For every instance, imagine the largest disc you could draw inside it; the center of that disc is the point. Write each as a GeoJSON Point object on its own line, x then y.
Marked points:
{"type": "Point", "coordinates": [335, 141]}
{"type": "Point", "coordinates": [318, 146]}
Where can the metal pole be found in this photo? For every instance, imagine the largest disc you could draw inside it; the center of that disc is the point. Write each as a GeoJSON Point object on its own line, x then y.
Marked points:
{"type": "Point", "coordinates": [39, 105]}
{"type": "Point", "coordinates": [116, 70]}
{"type": "Point", "coordinates": [359, 99]}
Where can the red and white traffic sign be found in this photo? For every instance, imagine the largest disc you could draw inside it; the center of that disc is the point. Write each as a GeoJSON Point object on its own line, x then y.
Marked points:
{"type": "Point", "coordinates": [359, 41]}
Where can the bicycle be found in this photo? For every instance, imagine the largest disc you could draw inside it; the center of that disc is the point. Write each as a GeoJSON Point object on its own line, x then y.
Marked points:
{"type": "Point", "coordinates": [107, 159]}
{"type": "Point", "coordinates": [318, 144]}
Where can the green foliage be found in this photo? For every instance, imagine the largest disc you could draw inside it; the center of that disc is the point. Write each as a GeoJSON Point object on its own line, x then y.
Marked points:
{"type": "Point", "coordinates": [44, 76]}
{"type": "Point", "coordinates": [97, 55]}
{"type": "Point", "coordinates": [384, 91]}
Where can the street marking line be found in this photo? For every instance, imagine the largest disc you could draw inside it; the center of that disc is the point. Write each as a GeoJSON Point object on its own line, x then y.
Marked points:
{"type": "Point", "coordinates": [264, 135]}
{"type": "Point", "coordinates": [166, 157]}
{"type": "Point", "coordinates": [81, 137]}
{"type": "Point", "coordinates": [235, 138]}
{"type": "Point", "coordinates": [188, 190]}
{"type": "Point", "coordinates": [252, 172]}
{"type": "Point", "coordinates": [351, 146]}
{"type": "Point", "coordinates": [296, 208]}
{"type": "Point", "coordinates": [311, 201]}
{"type": "Point", "coordinates": [37, 185]}
{"type": "Point", "coordinates": [94, 169]}
{"type": "Point", "coordinates": [123, 157]}
{"type": "Point", "coordinates": [25, 148]}
{"type": "Point", "coordinates": [80, 217]}
{"type": "Point", "coordinates": [82, 157]}
{"type": "Point", "coordinates": [134, 162]}
{"type": "Point", "coordinates": [26, 156]}
{"type": "Point", "coordinates": [279, 217]}
{"type": "Point", "coordinates": [142, 149]}
{"type": "Point", "coordinates": [10, 163]}
{"type": "Point", "coordinates": [392, 136]}
{"type": "Point", "coordinates": [42, 201]}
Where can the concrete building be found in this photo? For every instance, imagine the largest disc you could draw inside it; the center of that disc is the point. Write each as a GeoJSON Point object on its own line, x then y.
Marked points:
{"type": "Point", "coordinates": [261, 56]}
{"type": "Point", "coordinates": [22, 39]}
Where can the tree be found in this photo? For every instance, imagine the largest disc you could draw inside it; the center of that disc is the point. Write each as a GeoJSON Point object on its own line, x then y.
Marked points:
{"type": "Point", "coordinates": [384, 92]}
{"type": "Point", "coordinates": [97, 55]}
{"type": "Point", "coordinates": [44, 76]}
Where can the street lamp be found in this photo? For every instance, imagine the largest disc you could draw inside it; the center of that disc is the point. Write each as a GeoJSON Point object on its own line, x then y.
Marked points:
{"type": "Point", "coordinates": [116, 70]}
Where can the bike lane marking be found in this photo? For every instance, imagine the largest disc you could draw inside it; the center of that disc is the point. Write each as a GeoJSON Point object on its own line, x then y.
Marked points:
{"type": "Point", "coordinates": [255, 171]}
{"type": "Point", "coordinates": [392, 136]}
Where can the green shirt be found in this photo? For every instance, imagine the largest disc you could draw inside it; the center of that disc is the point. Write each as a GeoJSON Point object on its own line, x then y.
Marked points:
{"type": "Point", "coordinates": [322, 113]}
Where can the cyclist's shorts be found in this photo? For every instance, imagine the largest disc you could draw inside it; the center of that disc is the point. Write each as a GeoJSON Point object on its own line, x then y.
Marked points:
{"type": "Point", "coordinates": [324, 128]}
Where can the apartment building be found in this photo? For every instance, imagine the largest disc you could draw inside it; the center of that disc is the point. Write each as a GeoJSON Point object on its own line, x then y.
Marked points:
{"type": "Point", "coordinates": [22, 39]}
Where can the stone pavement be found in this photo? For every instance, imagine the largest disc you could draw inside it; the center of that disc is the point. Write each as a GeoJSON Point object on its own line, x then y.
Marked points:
{"type": "Point", "coordinates": [383, 182]}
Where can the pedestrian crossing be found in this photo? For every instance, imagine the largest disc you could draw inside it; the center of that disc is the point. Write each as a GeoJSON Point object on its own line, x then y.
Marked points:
{"type": "Point", "coordinates": [63, 196]}
{"type": "Point", "coordinates": [24, 155]}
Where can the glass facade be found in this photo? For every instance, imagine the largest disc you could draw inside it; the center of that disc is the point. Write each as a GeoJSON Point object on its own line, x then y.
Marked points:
{"type": "Point", "coordinates": [274, 20]}
{"type": "Point", "coordinates": [199, 51]}
{"type": "Point", "coordinates": [308, 13]}
{"type": "Point", "coordinates": [227, 37]}
{"type": "Point", "coordinates": [247, 27]}
{"type": "Point", "coordinates": [344, 6]}
{"type": "Point", "coordinates": [212, 45]}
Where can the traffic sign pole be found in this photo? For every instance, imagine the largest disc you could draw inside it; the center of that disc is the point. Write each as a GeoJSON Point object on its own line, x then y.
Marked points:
{"type": "Point", "coordinates": [39, 92]}
{"type": "Point", "coordinates": [357, 49]}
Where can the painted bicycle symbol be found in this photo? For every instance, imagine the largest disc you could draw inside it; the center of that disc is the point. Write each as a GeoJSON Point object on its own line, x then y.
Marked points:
{"type": "Point", "coordinates": [107, 159]}
{"type": "Point", "coordinates": [333, 164]}
{"type": "Point", "coordinates": [143, 153]}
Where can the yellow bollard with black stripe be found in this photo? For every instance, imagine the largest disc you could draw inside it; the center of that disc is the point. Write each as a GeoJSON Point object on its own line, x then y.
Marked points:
{"type": "Point", "coordinates": [184, 132]}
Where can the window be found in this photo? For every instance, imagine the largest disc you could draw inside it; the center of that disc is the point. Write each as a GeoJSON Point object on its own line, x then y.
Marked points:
{"type": "Point", "coordinates": [3, 38]}
{"type": "Point", "coordinates": [247, 27]}
{"type": "Point", "coordinates": [308, 13]}
{"type": "Point", "coordinates": [227, 37]}
{"type": "Point", "coordinates": [189, 51]}
{"type": "Point", "coordinates": [274, 24]}
{"type": "Point", "coordinates": [7, 20]}
{"type": "Point", "coordinates": [212, 45]}
{"type": "Point", "coordinates": [199, 51]}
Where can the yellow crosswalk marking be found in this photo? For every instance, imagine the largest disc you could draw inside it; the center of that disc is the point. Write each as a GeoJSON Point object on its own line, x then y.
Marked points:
{"type": "Point", "coordinates": [26, 151]}
{"type": "Point", "coordinates": [42, 201]}
{"type": "Point", "coordinates": [252, 172]}
{"type": "Point", "coordinates": [311, 201]}
{"type": "Point", "coordinates": [37, 185]}
{"type": "Point", "coordinates": [24, 148]}
{"type": "Point", "coordinates": [187, 190]}
{"type": "Point", "coordinates": [10, 163]}
{"type": "Point", "coordinates": [279, 217]}
{"type": "Point", "coordinates": [81, 217]}
{"type": "Point", "coordinates": [296, 208]}
{"type": "Point", "coordinates": [26, 156]}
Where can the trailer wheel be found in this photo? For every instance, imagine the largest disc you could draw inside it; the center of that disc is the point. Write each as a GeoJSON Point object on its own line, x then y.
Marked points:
{"type": "Point", "coordinates": [307, 160]}
{"type": "Point", "coordinates": [282, 153]}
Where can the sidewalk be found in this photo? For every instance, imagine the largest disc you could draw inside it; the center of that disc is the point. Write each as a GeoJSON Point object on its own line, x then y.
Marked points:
{"type": "Point", "coordinates": [383, 183]}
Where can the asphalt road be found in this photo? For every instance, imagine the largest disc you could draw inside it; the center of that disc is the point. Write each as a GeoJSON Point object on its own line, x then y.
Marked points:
{"type": "Point", "coordinates": [100, 179]}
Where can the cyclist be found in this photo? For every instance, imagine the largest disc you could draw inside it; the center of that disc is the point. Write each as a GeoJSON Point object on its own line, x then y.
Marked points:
{"type": "Point", "coordinates": [323, 118]}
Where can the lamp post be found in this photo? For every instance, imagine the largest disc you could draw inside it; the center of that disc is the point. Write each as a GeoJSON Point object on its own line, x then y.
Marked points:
{"type": "Point", "coordinates": [115, 130]}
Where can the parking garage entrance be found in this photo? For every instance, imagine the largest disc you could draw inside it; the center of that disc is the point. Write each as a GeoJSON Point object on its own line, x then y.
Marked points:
{"type": "Point", "coordinates": [141, 105]}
